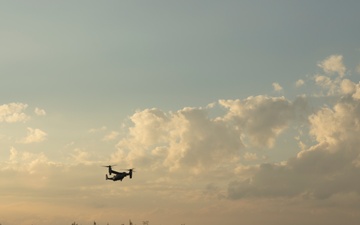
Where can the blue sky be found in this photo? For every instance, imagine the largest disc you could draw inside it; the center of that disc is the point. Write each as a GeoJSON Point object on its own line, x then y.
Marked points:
{"type": "Point", "coordinates": [131, 53]}
{"type": "Point", "coordinates": [211, 101]}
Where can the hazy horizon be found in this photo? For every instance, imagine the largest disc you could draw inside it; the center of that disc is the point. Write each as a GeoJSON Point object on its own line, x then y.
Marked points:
{"type": "Point", "coordinates": [232, 112]}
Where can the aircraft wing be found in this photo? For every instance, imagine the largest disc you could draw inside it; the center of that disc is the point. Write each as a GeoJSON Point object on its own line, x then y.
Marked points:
{"type": "Point", "coordinates": [115, 172]}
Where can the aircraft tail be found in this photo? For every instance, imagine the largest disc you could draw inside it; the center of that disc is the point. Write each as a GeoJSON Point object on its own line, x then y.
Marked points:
{"type": "Point", "coordinates": [130, 173]}
{"type": "Point", "coordinates": [107, 178]}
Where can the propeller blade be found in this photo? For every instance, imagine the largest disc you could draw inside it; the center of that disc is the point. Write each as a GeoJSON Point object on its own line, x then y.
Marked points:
{"type": "Point", "coordinates": [109, 166]}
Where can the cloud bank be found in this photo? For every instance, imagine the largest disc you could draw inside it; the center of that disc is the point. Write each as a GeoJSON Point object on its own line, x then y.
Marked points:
{"type": "Point", "coordinates": [191, 139]}
{"type": "Point", "coordinates": [326, 164]}
{"type": "Point", "coordinates": [326, 168]}
{"type": "Point", "coordinates": [200, 157]}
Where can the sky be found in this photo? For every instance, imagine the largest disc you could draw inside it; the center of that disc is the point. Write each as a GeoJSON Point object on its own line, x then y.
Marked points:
{"type": "Point", "coordinates": [231, 112]}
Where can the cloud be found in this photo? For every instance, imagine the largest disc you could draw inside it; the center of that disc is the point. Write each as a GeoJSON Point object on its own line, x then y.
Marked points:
{"type": "Point", "coordinates": [175, 148]}
{"type": "Point", "coordinates": [13, 112]}
{"type": "Point", "coordinates": [333, 64]}
{"type": "Point", "coordinates": [26, 161]}
{"type": "Point", "coordinates": [190, 140]}
{"type": "Point", "coordinates": [94, 130]}
{"type": "Point", "coordinates": [187, 138]}
{"type": "Point", "coordinates": [347, 86]}
{"type": "Point", "coordinates": [330, 87]}
{"type": "Point", "coordinates": [81, 157]}
{"type": "Point", "coordinates": [337, 86]}
{"type": "Point", "coordinates": [40, 179]}
{"type": "Point", "coordinates": [34, 135]}
{"type": "Point", "coordinates": [299, 83]}
{"type": "Point", "coordinates": [277, 87]}
{"type": "Point", "coordinates": [204, 158]}
{"type": "Point", "coordinates": [250, 156]}
{"type": "Point", "coordinates": [327, 168]}
{"type": "Point", "coordinates": [111, 136]}
{"type": "Point", "coordinates": [40, 112]}
{"type": "Point", "coordinates": [261, 118]}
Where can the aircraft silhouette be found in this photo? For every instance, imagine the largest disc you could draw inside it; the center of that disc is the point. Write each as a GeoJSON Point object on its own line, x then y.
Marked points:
{"type": "Point", "coordinates": [118, 175]}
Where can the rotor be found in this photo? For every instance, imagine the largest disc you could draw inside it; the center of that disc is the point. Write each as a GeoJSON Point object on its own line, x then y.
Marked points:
{"type": "Point", "coordinates": [109, 166]}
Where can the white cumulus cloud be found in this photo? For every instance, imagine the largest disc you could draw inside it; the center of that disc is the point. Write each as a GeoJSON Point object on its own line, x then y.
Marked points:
{"type": "Point", "coordinates": [277, 87]}
{"type": "Point", "coordinates": [40, 112]}
{"type": "Point", "coordinates": [34, 135]}
{"type": "Point", "coordinates": [13, 112]}
{"type": "Point", "coordinates": [262, 118]}
{"type": "Point", "coordinates": [187, 138]}
{"type": "Point", "coordinates": [327, 168]}
{"type": "Point", "coordinates": [192, 140]}
{"type": "Point", "coordinates": [333, 64]}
